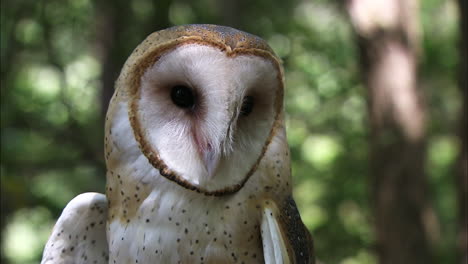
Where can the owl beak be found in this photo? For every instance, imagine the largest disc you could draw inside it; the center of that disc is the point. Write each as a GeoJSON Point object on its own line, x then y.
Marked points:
{"type": "Point", "coordinates": [211, 161]}
{"type": "Point", "coordinates": [208, 155]}
{"type": "Point", "coordinates": [211, 157]}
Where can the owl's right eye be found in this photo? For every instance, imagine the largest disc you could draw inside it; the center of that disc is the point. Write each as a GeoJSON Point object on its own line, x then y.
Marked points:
{"type": "Point", "coordinates": [182, 96]}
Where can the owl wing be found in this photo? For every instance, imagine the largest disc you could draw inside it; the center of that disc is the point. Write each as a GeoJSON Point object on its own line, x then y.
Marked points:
{"type": "Point", "coordinates": [285, 238]}
{"type": "Point", "coordinates": [79, 236]}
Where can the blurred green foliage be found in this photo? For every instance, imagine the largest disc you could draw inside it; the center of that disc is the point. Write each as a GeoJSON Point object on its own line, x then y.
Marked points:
{"type": "Point", "coordinates": [52, 65]}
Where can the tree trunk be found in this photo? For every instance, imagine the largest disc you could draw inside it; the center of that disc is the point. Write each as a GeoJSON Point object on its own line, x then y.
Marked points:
{"type": "Point", "coordinates": [387, 33]}
{"type": "Point", "coordinates": [113, 31]}
{"type": "Point", "coordinates": [109, 44]}
{"type": "Point", "coordinates": [231, 13]}
{"type": "Point", "coordinates": [462, 175]}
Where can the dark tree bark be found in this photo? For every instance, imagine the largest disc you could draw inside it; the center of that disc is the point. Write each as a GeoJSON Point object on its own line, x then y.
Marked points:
{"type": "Point", "coordinates": [231, 13]}
{"type": "Point", "coordinates": [110, 45]}
{"type": "Point", "coordinates": [118, 33]}
{"type": "Point", "coordinates": [462, 175]}
{"type": "Point", "coordinates": [387, 34]}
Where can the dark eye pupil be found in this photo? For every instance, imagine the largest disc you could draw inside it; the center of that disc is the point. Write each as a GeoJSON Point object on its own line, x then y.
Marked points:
{"type": "Point", "coordinates": [247, 105]}
{"type": "Point", "coordinates": [182, 96]}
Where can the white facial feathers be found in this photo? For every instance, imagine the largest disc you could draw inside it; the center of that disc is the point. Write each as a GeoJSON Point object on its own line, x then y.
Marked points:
{"type": "Point", "coordinates": [212, 144]}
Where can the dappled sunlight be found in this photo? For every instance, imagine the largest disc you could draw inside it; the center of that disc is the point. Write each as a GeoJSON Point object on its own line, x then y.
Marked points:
{"type": "Point", "coordinates": [354, 220]}
{"type": "Point", "coordinates": [29, 31]}
{"type": "Point", "coordinates": [316, 15]}
{"type": "Point", "coordinates": [281, 44]}
{"type": "Point", "coordinates": [305, 101]}
{"type": "Point", "coordinates": [25, 234]}
{"type": "Point", "coordinates": [296, 130]}
{"type": "Point", "coordinates": [442, 152]}
{"type": "Point", "coordinates": [82, 86]}
{"type": "Point", "coordinates": [320, 150]}
{"type": "Point", "coordinates": [57, 113]}
{"type": "Point", "coordinates": [309, 194]}
{"type": "Point", "coordinates": [45, 82]}
{"type": "Point", "coordinates": [311, 63]}
{"type": "Point", "coordinates": [53, 186]}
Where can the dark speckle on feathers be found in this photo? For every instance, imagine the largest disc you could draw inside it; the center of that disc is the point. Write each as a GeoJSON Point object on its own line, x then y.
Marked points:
{"type": "Point", "coordinates": [296, 232]}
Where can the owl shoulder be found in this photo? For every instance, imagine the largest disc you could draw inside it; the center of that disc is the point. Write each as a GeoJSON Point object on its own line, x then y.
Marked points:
{"type": "Point", "coordinates": [79, 236]}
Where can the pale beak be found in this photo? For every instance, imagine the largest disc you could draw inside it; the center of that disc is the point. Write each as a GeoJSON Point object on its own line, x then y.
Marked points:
{"type": "Point", "coordinates": [211, 156]}
{"type": "Point", "coordinates": [211, 161]}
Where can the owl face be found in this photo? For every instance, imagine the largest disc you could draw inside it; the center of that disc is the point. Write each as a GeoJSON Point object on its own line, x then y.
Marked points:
{"type": "Point", "coordinates": [203, 103]}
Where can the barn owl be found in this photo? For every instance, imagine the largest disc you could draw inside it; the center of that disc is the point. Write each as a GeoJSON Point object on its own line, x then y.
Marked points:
{"type": "Point", "coordinates": [198, 166]}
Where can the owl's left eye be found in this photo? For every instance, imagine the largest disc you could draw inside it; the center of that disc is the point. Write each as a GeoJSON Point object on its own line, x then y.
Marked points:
{"type": "Point", "coordinates": [247, 105]}
{"type": "Point", "coordinates": [182, 96]}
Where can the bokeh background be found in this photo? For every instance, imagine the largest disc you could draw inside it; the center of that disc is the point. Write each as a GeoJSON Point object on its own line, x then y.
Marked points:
{"type": "Point", "coordinates": [60, 58]}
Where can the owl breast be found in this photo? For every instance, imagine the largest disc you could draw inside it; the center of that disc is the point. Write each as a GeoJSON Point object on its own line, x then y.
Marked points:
{"type": "Point", "coordinates": [186, 228]}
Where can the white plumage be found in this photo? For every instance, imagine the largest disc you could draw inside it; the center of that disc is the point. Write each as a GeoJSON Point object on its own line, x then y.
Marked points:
{"type": "Point", "coordinates": [79, 236]}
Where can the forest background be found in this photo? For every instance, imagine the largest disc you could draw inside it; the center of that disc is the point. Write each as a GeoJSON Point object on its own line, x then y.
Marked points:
{"type": "Point", "coordinates": [377, 172]}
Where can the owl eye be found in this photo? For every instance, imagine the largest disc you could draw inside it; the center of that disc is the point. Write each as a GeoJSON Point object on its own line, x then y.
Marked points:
{"type": "Point", "coordinates": [247, 105]}
{"type": "Point", "coordinates": [182, 96]}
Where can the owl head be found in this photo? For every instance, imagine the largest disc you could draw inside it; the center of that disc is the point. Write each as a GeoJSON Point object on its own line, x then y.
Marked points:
{"type": "Point", "coordinates": [203, 103]}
